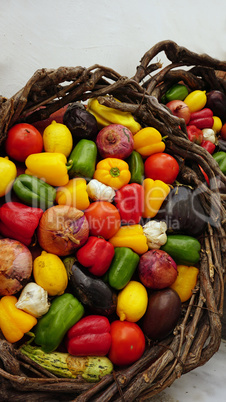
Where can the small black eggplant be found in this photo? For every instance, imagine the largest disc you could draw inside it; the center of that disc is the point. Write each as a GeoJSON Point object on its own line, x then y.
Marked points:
{"type": "Point", "coordinates": [183, 212]}
{"type": "Point", "coordinates": [91, 291]}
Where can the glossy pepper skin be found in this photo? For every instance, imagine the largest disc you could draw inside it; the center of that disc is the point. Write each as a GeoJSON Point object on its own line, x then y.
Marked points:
{"type": "Point", "coordinates": [96, 255]}
{"type": "Point", "coordinates": [73, 194]}
{"type": "Point", "coordinates": [113, 172]}
{"type": "Point", "coordinates": [130, 200]}
{"type": "Point", "coordinates": [83, 159]}
{"type": "Point", "coordinates": [155, 192]}
{"type": "Point", "coordinates": [64, 312]}
{"type": "Point", "coordinates": [49, 166]}
{"type": "Point", "coordinates": [131, 236]}
{"type": "Point", "coordinates": [136, 167]}
{"type": "Point", "coordinates": [148, 141]}
{"type": "Point", "coordinates": [209, 146]}
{"type": "Point", "coordinates": [183, 249]}
{"type": "Point", "coordinates": [8, 173]}
{"type": "Point", "coordinates": [34, 192]}
{"type": "Point", "coordinates": [89, 337]}
{"type": "Point", "coordinates": [185, 282]}
{"type": "Point", "coordinates": [176, 92]}
{"type": "Point", "coordinates": [107, 115]}
{"type": "Point", "coordinates": [195, 134]}
{"type": "Point", "coordinates": [14, 323]}
{"type": "Point", "coordinates": [220, 158]}
{"type": "Point", "coordinates": [19, 221]}
{"type": "Point", "coordinates": [122, 267]}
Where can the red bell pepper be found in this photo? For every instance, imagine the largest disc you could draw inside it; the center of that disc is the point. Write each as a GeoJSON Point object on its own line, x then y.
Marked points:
{"type": "Point", "coordinates": [96, 255]}
{"type": "Point", "coordinates": [89, 337]}
{"type": "Point", "coordinates": [209, 146]}
{"type": "Point", "coordinates": [201, 114]}
{"type": "Point", "coordinates": [130, 202]}
{"type": "Point", "coordinates": [195, 134]}
{"type": "Point", "coordinates": [19, 221]}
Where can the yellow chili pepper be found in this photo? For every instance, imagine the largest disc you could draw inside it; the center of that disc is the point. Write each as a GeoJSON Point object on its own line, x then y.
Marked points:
{"type": "Point", "coordinates": [73, 194]}
{"type": "Point", "coordinates": [217, 124]}
{"type": "Point", "coordinates": [48, 166]}
{"type": "Point", "coordinates": [131, 236]}
{"type": "Point", "coordinates": [107, 115]}
{"type": "Point", "coordinates": [185, 282]}
{"type": "Point", "coordinates": [14, 323]}
{"type": "Point", "coordinates": [113, 172]}
{"type": "Point", "coordinates": [155, 192]}
{"type": "Point", "coordinates": [8, 174]}
{"type": "Point", "coordinates": [148, 141]}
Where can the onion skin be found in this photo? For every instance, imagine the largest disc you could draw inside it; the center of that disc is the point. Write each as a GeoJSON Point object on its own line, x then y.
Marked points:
{"type": "Point", "coordinates": [115, 141]}
{"type": "Point", "coordinates": [15, 266]}
{"type": "Point", "coordinates": [62, 230]}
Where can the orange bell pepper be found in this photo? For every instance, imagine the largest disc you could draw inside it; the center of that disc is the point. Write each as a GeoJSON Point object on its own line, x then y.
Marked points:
{"type": "Point", "coordinates": [74, 194]}
{"type": "Point", "coordinates": [113, 172]}
{"type": "Point", "coordinates": [14, 323]}
{"type": "Point", "coordinates": [131, 236]}
{"type": "Point", "coordinates": [186, 281]}
{"type": "Point", "coordinates": [155, 192]}
{"type": "Point", "coordinates": [148, 141]}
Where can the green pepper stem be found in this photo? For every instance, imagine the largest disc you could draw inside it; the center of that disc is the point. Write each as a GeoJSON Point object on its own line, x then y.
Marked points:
{"type": "Point", "coordinates": [115, 172]}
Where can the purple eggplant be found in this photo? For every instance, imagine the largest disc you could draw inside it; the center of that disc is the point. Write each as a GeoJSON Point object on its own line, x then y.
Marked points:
{"type": "Point", "coordinates": [216, 101]}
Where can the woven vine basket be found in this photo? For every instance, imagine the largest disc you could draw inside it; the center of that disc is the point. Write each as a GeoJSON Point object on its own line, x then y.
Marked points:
{"type": "Point", "coordinates": [198, 333]}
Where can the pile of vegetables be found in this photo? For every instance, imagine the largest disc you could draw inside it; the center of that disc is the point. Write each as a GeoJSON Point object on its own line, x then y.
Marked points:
{"type": "Point", "coordinates": [100, 238]}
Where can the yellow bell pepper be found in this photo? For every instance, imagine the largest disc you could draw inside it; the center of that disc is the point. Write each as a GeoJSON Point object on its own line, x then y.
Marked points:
{"type": "Point", "coordinates": [186, 281]}
{"type": "Point", "coordinates": [14, 323]}
{"type": "Point", "coordinates": [131, 236]}
{"type": "Point", "coordinates": [196, 100]}
{"type": "Point", "coordinates": [48, 166]}
{"type": "Point", "coordinates": [155, 192]}
{"type": "Point", "coordinates": [73, 194]}
{"type": "Point", "coordinates": [148, 141]}
{"type": "Point", "coordinates": [107, 115]}
{"type": "Point", "coordinates": [8, 174]}
{"type": "Point", "coordinates": [113, 172]}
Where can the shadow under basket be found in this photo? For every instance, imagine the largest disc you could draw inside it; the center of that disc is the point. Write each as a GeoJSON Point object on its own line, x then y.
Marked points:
{"type": "Point", "coordinates": [198, 333]}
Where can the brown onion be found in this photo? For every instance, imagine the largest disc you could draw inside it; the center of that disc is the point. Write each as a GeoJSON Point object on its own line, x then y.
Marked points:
{"type": "Point", "coordinates": [62, 229]}
{"type": "Point", "coordinates": [15, 266]}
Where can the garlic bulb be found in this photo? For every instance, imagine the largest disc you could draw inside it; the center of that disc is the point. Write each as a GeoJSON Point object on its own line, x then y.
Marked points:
{"type": "Point", "coordinates": [209, 135]}
{"type": "Point", "coordinates": [155, 233]}
{"type": "Point", "coordinates": [33, 300]}
{"type": "Point", "coordinates": [98, 191]}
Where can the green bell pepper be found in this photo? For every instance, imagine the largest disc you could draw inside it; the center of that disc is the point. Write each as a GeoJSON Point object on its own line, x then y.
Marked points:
{"type": "Point", "coordinates": [122, 267]}
{"type": "Point", "coordinates": [183, 249]}
{"type": "Point", "coordinates": [136, 167]}
{"type": "Point", "coordinates": [220, 158]}
{"type": "Point", "coordinates": [34, 192]}
{"type": "Point", "coordinates": [50, 330]}
{"type": "Point", "coordinates": [177, 91]}
{"type": "Point", "coordinates": [83, 157]}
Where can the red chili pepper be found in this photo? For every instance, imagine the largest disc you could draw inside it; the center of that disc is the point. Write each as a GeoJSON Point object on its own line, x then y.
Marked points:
{"type": "Point", "coordinates": [206, 112]}
{"type": "Point", "coordinates": [205, 175]}
{"type": "Point", "coordinates": [19, 221]}
{"type": "Point", "coordinates": [195, 134]}
{"type": "Point", "coordinates": [209, 146]}
{"type": "Point", "coordinates": [89, 337]}
{"type": "Point", "coordinates": [96, 255]}
{"type": "Point", "coordinates": [205, 122]}
{"type": "Point", "coordinates": [130, 200]}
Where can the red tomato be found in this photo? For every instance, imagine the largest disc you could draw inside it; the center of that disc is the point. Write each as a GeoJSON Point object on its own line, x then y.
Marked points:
{"type": "Point", "coordinates": [103, 218]}
{"type": "Point", "coordinates": [223, 132]}
{"type": "Point", "coordinates": [23, 140]}
{"type": "Point", "coordinates": [161, 166]}
{"type": "Point", "coordinates": [127, 343]}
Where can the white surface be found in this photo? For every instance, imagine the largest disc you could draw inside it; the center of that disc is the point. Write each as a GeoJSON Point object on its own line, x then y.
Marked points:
{"type": "Point", "coordinates": [53, 33]}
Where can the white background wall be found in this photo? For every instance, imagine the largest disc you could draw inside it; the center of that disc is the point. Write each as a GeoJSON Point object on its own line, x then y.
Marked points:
{"type": "Point", "coordinates": [115, 33]}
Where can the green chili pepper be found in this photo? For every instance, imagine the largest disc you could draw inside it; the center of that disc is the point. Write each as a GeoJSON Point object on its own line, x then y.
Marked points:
{"type": "Point", "coordinates": [33, 191]}
{"type": "Point", "coordinates": [177, 91]}
{"type": "Point", "coordinates": [122, 267]}
{"type": "Point", "coordinates": [83, 157]}
{"type": "Point", "coordinates": [136, 167]}
{"type": "Point", "coordinates": [64, 312]}
{"type": "Point", "coordinates": [220, 158]}
{"type": "Point", "coordinates": [183, 249]}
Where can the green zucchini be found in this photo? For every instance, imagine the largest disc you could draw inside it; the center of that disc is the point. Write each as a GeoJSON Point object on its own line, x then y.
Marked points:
{"type": "Point", "coordinates": [91, 368]}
